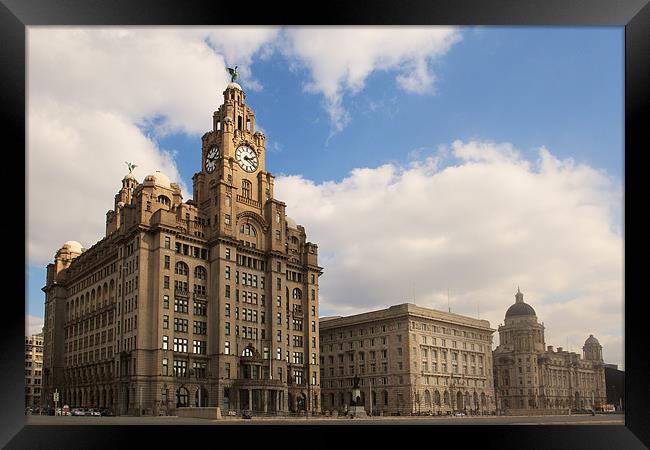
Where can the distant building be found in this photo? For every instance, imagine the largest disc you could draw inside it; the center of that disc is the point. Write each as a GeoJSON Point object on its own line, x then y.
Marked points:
{"type": "Point", "coordinates": [33, 369]}
{"type": "Point", "coordinates": [532, 378]}
{"type": "Point", "coordinates": [409, 359]}
{"type": "Point", "coordinates": [615, 386]}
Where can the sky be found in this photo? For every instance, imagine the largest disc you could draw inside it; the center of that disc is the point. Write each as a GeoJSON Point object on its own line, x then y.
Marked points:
{"type": "Point", "coordinates": [440, 166]}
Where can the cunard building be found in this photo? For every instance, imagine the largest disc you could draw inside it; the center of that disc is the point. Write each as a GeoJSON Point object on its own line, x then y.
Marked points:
{"type": "Point", "coordinates": [208, 302]}
{"type": "Point", "coordinates": [409, 360]}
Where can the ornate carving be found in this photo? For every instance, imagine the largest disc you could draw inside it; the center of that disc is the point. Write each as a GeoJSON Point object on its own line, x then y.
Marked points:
{"type": "Point", "coordinates": [254, 216]}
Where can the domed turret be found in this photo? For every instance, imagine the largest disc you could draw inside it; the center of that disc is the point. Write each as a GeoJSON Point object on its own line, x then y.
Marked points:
{"type": "Point", "coordinates": [159, 179]}
{"type": "Point", "coordinates": [592, 350]}
{"type": "Point", "coordinates": [291, 223]}
{"type": "Point", "coordinates": [520, 308]}
{"type": "Point", "coordinates": [73, 247]}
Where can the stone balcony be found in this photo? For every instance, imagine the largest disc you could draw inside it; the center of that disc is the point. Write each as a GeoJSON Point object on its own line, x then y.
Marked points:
{"type": "Point", "coordinates": [249, 201]}
{"type": "Point", "coordinates": [183, 293]}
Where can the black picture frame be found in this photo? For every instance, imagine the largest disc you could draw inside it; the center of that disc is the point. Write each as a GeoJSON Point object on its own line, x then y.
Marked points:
{"type": "Point", "coordinates": [634, 15]}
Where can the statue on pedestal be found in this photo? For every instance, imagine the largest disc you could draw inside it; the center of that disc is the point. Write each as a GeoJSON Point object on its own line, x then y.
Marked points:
{"type": "Point", "coordinates": [356, 407]}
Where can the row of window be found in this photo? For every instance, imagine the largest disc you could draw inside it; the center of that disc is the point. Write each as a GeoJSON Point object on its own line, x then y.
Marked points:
{"type": "Point", "coordinates": [181, 345]}
{"type": "Point", "coordinates": [180, 368]}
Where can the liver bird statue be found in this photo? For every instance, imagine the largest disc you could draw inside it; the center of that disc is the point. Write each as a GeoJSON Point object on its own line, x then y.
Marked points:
{"type": "Point", "coordinates": [130, 166]}
{"type": "Point", "coordinates": [233, 74]}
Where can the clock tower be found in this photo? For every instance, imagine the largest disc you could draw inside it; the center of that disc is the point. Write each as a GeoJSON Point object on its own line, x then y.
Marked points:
{"type": "Point", "coordinates": [264, 273]}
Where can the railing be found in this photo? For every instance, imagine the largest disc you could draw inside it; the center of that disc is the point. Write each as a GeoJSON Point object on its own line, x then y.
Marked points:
{"type": "Point", "coordinates": [249, 201]}
{"type": "Point", "coordinates": [198, 296]}
{"type": "Point", "coordinates": [181, 293]}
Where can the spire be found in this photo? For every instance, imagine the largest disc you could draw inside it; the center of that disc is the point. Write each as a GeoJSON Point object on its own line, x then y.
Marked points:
{"type": "Point", "coordinates": [519, 297]}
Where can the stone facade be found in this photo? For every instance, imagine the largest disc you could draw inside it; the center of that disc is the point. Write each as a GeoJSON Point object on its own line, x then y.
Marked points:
{"type": "Point", "coordinates": [530, 377]}
{"type": "Point", "coordinates": [33, 369]}
{"type": "Point", "coordinates": [209, 302]}
{"type": "Point", "coordinates": [413, 360]}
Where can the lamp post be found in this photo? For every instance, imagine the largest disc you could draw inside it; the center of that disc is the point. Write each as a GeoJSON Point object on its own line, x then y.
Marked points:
{"type": "Point", "coordinates": [164, 398]}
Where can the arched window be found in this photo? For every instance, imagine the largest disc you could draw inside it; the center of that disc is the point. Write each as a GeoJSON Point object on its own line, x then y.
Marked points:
{"type": "Point", "coordinates": [247, 352]}
{"type": "Point", "coordinates": [247, 230]}
{"type": "Point", "coordinates": [181, 269]}
{"type": "Point", "coordinates": [294, 240]}
{"type": "Point", "coordinates": [200, 273]}
{"type": "Point", "coordinates": [246, 188]}
{"type": "Point", "coordinates": [164, 200]}
{"type": "Point", "coordinates": [182, 397]}
{"type": "Point", "coordinates": [297, 293]}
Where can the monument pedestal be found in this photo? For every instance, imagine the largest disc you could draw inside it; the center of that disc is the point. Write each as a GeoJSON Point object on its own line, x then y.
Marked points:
{"type": "Point", "coordinates": [357, 411]}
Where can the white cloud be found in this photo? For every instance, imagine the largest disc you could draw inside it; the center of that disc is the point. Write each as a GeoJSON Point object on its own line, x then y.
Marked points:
{"type": "Point", "coordinates": [92, 95]}
{"type": "Point", "coordinates": [340, 59]}
{"type": "Point", "coordinates": [479, 227]}
{"type": "Point", "coordinates": [33, 325]}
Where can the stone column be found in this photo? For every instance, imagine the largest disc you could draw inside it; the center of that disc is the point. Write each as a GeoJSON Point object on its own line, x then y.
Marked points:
{"type": "Point", "coordinates": [250, 399]}
{"type": "Point", "coordinates": [265, 401]}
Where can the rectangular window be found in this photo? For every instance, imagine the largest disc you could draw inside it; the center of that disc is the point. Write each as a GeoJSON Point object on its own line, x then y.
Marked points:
{"type": "Point", "coordinates": [167, 262]}
{"type": "Point", "coordinates": [227, 253]}
{"type": "Point", "coordinates": [200, 327]}
{"type": "Point", "coordinates": [166, 283]}
{"type": "Point", "coordinates": [226, 219]}
{"type": "Point", "coordinates": [181, 325]}
{"type": "Point", "coordinates": [180, 368]}
{"type": "Point", "coordinates": [199, 347]}
{"type": "Point", "coordinates": [226, 349]}
{"type": "Point", "coordinates": [181, 305]}
{"type": "Point", "coordinates": [165, 322]}
{"type": "Point", "coordinates": [227, 291]}
{"type": "Point", "coordinates": [165, 343]}
{"type": "Point", "coordinates": [165, 366]}
{"type": "Point", "coordinates": [200, 309]}
{"type": "Point", "coordinates": [168, 242]}
{"type": "Point", "coordinates": [227, 272]}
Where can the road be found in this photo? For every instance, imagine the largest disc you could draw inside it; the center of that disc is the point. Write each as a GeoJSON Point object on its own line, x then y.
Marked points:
{"type": "Point", "coordinates": [605, 419]}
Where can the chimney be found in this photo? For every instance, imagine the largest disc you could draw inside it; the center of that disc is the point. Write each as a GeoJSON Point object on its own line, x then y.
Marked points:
{"type": "Point", "coordinates": [549, 348]}
{"type": "Point", "coordinates": [559, 349]}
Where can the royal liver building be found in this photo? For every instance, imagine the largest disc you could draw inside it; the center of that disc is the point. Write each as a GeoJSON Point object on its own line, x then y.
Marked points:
{"type": "Point", "coordinates": [208, 302]}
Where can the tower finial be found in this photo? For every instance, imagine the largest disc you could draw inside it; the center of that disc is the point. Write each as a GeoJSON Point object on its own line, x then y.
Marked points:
{"type": "Point", "coordinates": [519, 297]}
{"type": "Point", "coordinates": [233, 73]}
{"type": "Point", "coordinates": [131, 166]}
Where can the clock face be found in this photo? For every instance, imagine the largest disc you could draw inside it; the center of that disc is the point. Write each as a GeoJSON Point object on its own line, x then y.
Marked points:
{"type": "Point", "coordinates": [211, 159]}
{"type": "Point", "coordinates": [247, 158]}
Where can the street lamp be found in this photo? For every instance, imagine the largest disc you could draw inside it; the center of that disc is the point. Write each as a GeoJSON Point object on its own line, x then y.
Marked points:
{"type": "Point", "coordinates": [164, 398]}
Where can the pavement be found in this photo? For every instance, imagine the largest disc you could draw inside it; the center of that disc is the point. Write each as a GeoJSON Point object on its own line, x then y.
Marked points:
{"type": "Point", "coordinates": [599, 419]}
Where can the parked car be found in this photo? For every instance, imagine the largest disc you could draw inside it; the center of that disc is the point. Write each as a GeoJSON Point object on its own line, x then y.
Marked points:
{"type": "Point", "coordinates": [93, 412]}
{"type": "Point", "coordinates": [78, 412]}
{"type": "Point", "coordinates": [459, 414]}
{"type": "Point", "coordinates": [246, 414]}
{"type": "Point", "coordinates": [105, 412]}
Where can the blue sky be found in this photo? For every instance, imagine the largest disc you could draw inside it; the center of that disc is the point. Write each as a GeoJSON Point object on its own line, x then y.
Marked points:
{"type": "Point", "coordinates": [556, 88]}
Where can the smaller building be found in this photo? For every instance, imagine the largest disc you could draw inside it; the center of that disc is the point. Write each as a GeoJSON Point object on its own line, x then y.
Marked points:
{"type": "Point", "coordinates": [410, 360]}
{"type": "Point", "coordinates": [615, 386]}
{"type": "Point", "coordinates": [33, 369]}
